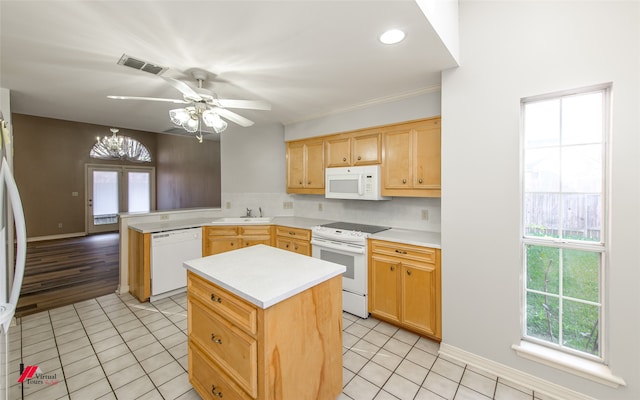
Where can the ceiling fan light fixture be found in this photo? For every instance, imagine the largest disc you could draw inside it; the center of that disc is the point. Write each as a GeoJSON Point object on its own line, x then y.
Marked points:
{"type": "Point", "coordinates": [179, 116]}
{"type": "Point", "coordinates": [213, 120]}
{"type": "Point", "coordinates": [192, 124]}
{"type": "Point", "coordinates": [392, 36]}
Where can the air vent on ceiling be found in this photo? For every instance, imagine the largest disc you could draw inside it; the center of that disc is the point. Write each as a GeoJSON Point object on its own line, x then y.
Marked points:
{"type": "Point", "coordinates": [129, 61]}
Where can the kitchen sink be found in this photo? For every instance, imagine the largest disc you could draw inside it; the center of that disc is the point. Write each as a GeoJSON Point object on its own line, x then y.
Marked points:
{"type": "Point", "coordinates": [243, 220]}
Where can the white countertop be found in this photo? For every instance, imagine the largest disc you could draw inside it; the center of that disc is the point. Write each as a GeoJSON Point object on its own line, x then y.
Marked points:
{"type": "Point", "coordinates": [408, 236]}
{"type": "Point", "coordinates": [264, 275]}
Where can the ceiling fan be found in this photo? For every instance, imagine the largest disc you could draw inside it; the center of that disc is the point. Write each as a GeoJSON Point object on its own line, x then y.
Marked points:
{"type": "Point", "coordinates": [203, 104]}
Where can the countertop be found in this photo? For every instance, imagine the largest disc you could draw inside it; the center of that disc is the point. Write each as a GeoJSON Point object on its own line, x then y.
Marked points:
{"type": "Point", "coordinates": [408, 236]}
{"type": "Point", "coordinates": [264, 275]}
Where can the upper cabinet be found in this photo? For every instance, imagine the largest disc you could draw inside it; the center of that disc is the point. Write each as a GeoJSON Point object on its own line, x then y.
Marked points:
{"type": "Point", "coordinates": [356, 148]}
{"type": "Point", "coordinates": [305, 166]}
{"type": "Point", "coordinates": [409, 153]}
{"type": "Point", "coordinates": [411, 159]}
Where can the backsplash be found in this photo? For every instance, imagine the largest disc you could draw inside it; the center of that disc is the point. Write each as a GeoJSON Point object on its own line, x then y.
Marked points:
{"type": "Point", "coordinates": [399, 212]}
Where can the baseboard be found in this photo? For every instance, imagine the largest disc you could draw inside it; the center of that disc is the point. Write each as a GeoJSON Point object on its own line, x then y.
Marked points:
{"type": "Point", "coordinates": [536, 384]}
{"type": "Point", "coordinates": [52, 237]}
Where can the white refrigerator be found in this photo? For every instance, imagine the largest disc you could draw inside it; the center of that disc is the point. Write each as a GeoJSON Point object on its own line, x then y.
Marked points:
{"type": "Point", "coordinates": [11, 264]}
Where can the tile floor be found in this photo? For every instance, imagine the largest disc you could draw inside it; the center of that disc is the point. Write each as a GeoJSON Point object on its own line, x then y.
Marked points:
{"type": "Point", "coordinates": [114, 347]}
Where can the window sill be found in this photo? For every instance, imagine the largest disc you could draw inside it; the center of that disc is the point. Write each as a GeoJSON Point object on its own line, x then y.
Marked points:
{"type": "Point", "coordinates": [569, 363]}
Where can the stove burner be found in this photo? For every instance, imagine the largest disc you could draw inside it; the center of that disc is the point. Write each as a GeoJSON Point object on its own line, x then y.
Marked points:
{"type": "Point", "coordinates": [356, 227]}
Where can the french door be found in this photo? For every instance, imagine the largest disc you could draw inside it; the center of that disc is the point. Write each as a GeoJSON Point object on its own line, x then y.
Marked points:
{"type": "Point", "coordinates": [115, 189]}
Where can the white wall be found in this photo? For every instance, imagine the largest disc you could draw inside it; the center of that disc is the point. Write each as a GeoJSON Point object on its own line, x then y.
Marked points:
{"type": "Point", "coordinates": [424, 105]}
{"type": "Point", "coordinates": [511, 50]}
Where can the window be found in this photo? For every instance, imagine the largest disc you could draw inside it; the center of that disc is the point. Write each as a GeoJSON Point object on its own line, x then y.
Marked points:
{"type": "Point", "coordinates": [564, 219]}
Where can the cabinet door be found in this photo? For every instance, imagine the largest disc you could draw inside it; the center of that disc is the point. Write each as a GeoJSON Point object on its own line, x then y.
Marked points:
{"type": "Point", "coordinates": [220, 244]}
{"type": "Point", "coordinates": [254, 240]}
{"type": "Point", "coordinates": [366, 149]}
{"type": "Point", "coordinates": [420, 305]}
{"type": "Point", "coordinates": [301, 247]}
{"type": "Point", "coordinates": [315, 165]}
{"type": "Point", "coordinates": [295, 165]}
{"type": "Point", "coordinates": [338, 151]}
{"type": "Point", "coordinates": [383, 288]}
{"type": "Point", "coordinates": [426, 156]}
{"type": "Point", "coordinates": [397, 160]}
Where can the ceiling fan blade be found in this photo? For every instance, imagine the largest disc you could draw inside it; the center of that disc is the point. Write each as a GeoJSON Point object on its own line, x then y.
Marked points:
{"type": "Point", "coordinates": [183, 88]}
{"type": "Point", "coordinates": [233, 117]}
{"type": "Point", "coordinates": [247, 104]}
{"type": "Point", "coordinates": [176, 101]}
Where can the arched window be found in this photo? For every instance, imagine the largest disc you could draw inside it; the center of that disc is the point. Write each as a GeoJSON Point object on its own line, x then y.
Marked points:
{"type": "Point", "coordinates": [120, 148]}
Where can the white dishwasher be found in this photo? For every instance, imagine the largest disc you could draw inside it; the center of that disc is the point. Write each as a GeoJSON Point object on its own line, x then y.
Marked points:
{"type": "Point", "coordinates": [168, 251]}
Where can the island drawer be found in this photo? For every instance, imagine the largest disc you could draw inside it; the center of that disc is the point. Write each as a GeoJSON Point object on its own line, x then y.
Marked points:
{"type": "Point", "coordinates": [406, 251]}
{"type": "Point", "coordinates": [303, 234]}
{"type": "Point", "coordinates": [209, 380]}
{"type": "Point", "coordinates": [233, 350]}
{"type": "Point", "coordinates": [234, 309]}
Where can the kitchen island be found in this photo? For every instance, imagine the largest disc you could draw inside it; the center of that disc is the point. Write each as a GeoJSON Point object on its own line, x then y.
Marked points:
{"type": "Point", "coordinates": [265, 323]}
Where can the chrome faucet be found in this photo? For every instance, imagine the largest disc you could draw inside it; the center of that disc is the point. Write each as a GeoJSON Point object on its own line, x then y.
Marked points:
{"type": "Point", "coordinates": [249, 211]}
{"type": "Point", "coordinates": [260, 209]}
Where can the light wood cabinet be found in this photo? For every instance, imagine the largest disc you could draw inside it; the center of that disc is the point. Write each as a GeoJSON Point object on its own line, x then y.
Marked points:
{"type": "Point", "coordinates": [357, 148]}
{"type": "Point", "coordinates": [218, 239]}
{"type": "Point", "coordinates": [293, 239]}
{"type": "Point", "coordinates": [411, 159]}
{"type": "Point", "coordinates": [405, 286]}
{"type": "Point", "coordinates": [140, 265]}
{"type": "Point", "coordinates": [240, 351]}
{"type": "Point", "coordinates": [305, 166]}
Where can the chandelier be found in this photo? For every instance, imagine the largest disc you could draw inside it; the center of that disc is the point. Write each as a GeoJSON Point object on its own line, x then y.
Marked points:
{"type": "Point", "coordinates": [191, 118]}
{"type": "Point", "coordinates": [116, 147]}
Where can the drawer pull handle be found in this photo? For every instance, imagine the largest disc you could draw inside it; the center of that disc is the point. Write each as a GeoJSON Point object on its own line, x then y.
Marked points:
{"type": "Point", "coordinates": [213, 391]}
{"type": "Point", "coordinates": [401, 251]}
{"type": "Point", "coordinates": [216, 299]}
{"type": "Point", "coordinates": [292, 233]}
{"type": "Point", "coordinates": [392, 268]}
{"type": "Point", "coordinates": [214, 339]}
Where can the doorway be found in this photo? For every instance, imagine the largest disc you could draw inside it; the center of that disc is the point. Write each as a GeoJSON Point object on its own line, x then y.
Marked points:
{"type": "Point", "coordinates": [115, 189]}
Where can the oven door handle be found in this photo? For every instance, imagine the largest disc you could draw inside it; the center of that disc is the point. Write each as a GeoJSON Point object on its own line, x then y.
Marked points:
{"type": "Point", "coordinates": [346, 249]}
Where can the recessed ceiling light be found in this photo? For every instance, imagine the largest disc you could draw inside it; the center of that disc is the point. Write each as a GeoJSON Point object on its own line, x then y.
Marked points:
{"type": "Point", "coordinates": [392, 36]}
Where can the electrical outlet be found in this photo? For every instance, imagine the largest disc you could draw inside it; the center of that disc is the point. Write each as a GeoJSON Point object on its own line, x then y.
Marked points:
{"type": "Point", "coordinates": [59, 224]}
{"type": "Point", "coordinates": [74, 194]}
{"type": "Point", "coordinates": [163, 217]}
{"type": "Point", "coordinates": [287, 205]}
{"type": "Point", "coordinates": [228, 205]}
{"type": "Point", "coordinates": [425, 214]}
{"type": "Point", "coordinates": [319, 206]}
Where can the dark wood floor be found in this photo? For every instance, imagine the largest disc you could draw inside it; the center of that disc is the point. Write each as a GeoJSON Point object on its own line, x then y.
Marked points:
{"type": "Point", "coordinates": [64, 271]}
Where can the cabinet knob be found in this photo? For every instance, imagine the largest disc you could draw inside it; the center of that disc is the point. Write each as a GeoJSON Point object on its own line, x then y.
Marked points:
{"type": "Point", "coordinates": [404, 181]}
{"type": "Point", "coordinates": [359, 158]}
{"type": "Point", "coordinates": [408, 272]}
{"type": "Point", "coordinates": [309, 183]}
{"type": "Point", "coordinates": [420, 180]}
{"type": "Point", "coordinates": [295, 247]}
{"type": "Point", "coordinates": [300, 182]}
{"type": "Point", "coordinates": [215, 298]}
{"type": "Point", "coordinates": [214, 339]}
{"type": "Point", "coordinates": [287, 245]}
{"type": "Point", "coordinates": [392, 268]}
{"type": "Point", "coordinates": [213, 391]}
{"type": "Point", "coordinates": [344, 158]}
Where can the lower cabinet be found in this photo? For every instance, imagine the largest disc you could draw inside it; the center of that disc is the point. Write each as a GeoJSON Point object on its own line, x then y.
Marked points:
{"type": "Point", "coordinates": [218, 239]}
{"type": "Point", "coordinates": [405, 286]}
{"type": "Point", "coordinates": [293, 239]}
{"type": "Point", "coordinates": [140, 264]}
{"type": "Point", "coordinates": [291, 350]}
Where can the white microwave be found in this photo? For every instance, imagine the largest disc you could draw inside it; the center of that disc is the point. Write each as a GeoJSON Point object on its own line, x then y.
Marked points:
{"type": "Point", "coordinates": [354, 183]}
